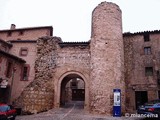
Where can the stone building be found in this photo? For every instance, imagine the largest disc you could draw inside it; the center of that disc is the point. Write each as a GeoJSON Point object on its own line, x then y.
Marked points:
{"type": "Point", "coordinates": [110, 59]}
{"type": "Point", "coordinates": [19, 44]}
{"type": "Point", "coordinates": [142, 65]}
{"type": "Point", "coordinates": [10, 71]}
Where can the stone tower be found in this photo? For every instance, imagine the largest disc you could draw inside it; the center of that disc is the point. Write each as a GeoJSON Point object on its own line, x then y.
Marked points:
{"type": "Point", "coordinates": [107, 57]}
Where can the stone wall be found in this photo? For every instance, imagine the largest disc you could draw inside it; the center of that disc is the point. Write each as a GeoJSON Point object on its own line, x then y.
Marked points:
{"type": "Point", "coordinates": [128, 63]}
{"type": "Point", "coordinates": [76, 56]}
{"type": "Point", "coordinates": [107, 58]}
{"type": "Point", "coordinates": [107, 62]}
{"type": "Point", "coordinates": [39, 95]}
{"type": "Point", "coordinates": [135, 62]}
{"type": "Point", "coordinates": [100, 63]}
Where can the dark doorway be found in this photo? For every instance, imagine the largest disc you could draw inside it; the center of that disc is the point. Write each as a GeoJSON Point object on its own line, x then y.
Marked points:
{"type": "Point", "coordinates": [72, 89]}
{"type": "Point", "coordinates": [78, 94]}
{"type": "Point", "coordinates": [141, 97]}
{"type": "Point", "coordinates": [4, 98]}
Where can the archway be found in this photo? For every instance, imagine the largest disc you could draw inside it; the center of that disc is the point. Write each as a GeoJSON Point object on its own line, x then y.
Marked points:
{"type": "Point", "coordinates": [60, 86]}
{"type": "Point", "coordinates": [72, 89]}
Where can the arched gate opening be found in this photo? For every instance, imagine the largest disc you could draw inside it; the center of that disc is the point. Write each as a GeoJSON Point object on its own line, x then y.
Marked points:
{"type": "Point", "coordinates": [72, 89]}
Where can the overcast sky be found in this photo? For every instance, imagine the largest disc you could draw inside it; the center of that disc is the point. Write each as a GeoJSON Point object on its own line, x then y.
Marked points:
{"type": "Point", "coordinates": [71, 19]}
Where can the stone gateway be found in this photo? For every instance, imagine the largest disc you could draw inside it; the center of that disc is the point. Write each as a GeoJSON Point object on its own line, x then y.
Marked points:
{"type": "Point", "coordinates": [43, 72]}
{"type": "Point", "coordinates": [99, 63]}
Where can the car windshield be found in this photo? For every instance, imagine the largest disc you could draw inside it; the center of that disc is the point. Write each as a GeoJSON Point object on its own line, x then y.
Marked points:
{"type": "Point", "coordinates": [152, 102]}
{"type": "Point", "coordinates": [4, 108]}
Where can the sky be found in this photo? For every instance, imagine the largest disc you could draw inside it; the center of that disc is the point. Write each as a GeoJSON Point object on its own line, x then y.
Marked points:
{"type": "Point", "coordinates": [71, 19]}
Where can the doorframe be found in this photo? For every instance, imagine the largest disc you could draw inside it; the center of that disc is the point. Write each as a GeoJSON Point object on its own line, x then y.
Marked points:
{"type": "Point", "coordinates": [58, 89]}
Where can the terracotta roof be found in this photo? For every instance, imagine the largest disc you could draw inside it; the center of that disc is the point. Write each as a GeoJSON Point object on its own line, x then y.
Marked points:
{"type": "Point", "coordinates": [142, 33]}
{"type": "Point", "coordinates": [73, 44]}
{"type": "Point", "coordinates": [6, 43]}
{"type": "Point", "coordinates": [30, 28]}
{"type": "Point", "coordinates": [12, 56]}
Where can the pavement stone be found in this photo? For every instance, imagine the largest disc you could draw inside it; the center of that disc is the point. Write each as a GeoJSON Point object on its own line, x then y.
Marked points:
{"type": "Point", "coordinates": [72, 111]}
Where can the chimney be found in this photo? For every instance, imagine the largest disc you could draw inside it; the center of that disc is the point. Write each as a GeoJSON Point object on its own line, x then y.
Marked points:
{"type": "Point", "coordinates": [13, 26]}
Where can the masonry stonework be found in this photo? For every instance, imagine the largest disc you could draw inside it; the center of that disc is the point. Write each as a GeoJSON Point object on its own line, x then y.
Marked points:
{"type": "Point", "coordinates": [39, 94]}
{"type": "Point", "coordinates": [110, 59]}
{"type": "Point", "coordinates": [107, 58]}
{"type": "Point", "coordinates": [135, 62]}
{"type": "Point", "coordinates": [99, 63]}
{"type": "Point", "coordinates": [52, 61]}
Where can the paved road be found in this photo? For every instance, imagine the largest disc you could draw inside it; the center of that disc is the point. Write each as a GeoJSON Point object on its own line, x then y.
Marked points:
{"type": "Point", "coordinates": [72, 111]}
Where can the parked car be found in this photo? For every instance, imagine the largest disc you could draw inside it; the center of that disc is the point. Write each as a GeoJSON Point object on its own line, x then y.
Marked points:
{"type": "Point", "coordinates": [7, 112]}
{"type": "Point", "coordinates": [152, 107]}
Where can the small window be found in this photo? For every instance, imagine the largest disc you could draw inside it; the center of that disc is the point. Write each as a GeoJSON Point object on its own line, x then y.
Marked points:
{"type": "Point", "coordinates": [25, 72]}
{"type": "Point", "coordinates": [18, 38]}
{"type": "Point", "coordinates": [9, 70]}
{"type": "Point", "coordinates": [23, 51]}
{"type": "Point", "coordinates": [147, 50]}
{"type": "Point", "coordinates": [73, 84]}
{"type": "Point", "coordinates": [158, 74]}
{"type": "Point", "coordinates": [9, 33]}
{"type": "Point", "coordinates": [146, 37]}
{"type": "Point", "coordinates": [4, 48]}
{"type": "Point", "coordinates": [148, 71]}
{"type": "Point", "coordinates": [21, 32]}
{"type": "Point", "coordinates": [0, 59]}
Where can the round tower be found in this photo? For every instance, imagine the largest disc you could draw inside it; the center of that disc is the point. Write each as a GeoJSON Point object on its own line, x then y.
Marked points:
{"type": "Point", "coordinates": [107, 57]}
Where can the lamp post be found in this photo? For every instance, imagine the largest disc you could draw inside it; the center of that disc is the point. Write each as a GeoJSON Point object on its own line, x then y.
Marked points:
{"type": "Point", "coordinates": [11, 86]}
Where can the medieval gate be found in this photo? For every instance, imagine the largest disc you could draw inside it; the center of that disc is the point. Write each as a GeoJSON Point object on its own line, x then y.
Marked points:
{"type": "Point", "coordinates": [98, 62]}
{"type": "Point", "coordinates": [60, 96]}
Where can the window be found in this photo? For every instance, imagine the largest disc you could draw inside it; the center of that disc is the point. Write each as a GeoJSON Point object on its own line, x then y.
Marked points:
{"type": "Point", "coordinates": [146, 37]}
{"type": "Point", "coordinates": [9, 70]}
{"type": "Point", "coordinates": [0, 59]}
{"type": "Point", "coordinates": [73, 84]}
{"type": "Point", "coordinates": [147, 50]}
{"type": "Point", "coordinates": [23, 52]}
{"type": "Point", "coordinates": [25, 72]}
{"type": "Point", "coordinates": [21, 32]}
{"type": "Point", "coordinates": [9, 33]}
{"type": "Point", "coordinates": [148, 71]}
{"type": "Point", "coordinates": [18, 38]}
{"type": "Point", "coordinates": [4, 48]}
